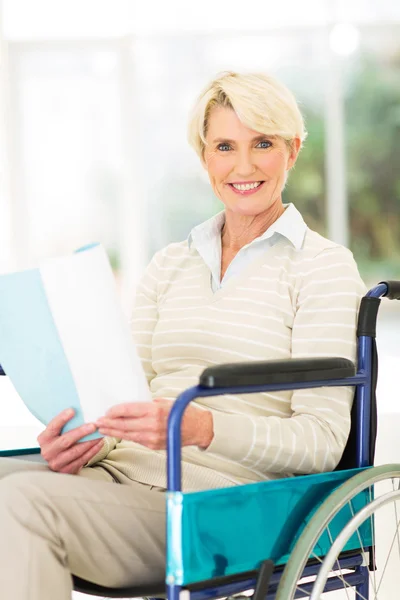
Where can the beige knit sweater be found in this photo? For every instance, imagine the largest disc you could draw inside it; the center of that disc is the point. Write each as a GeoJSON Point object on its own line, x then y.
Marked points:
{"type": "Point", "coordinates": [287, 303]}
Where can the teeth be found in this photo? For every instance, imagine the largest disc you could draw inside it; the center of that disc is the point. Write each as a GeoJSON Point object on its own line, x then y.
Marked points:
{"type": "Point", "coordinates": [243, 187]}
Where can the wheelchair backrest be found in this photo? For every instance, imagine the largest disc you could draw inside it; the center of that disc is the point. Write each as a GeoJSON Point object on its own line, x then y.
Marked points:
{"type": "Point", "coordinates": [366, 328]}
{"type": "Point", "coordinates": [349, 457]}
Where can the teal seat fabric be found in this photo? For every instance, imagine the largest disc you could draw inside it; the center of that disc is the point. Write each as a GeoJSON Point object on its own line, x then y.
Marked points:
{"type": "Point", "coordinates": [227, 531]}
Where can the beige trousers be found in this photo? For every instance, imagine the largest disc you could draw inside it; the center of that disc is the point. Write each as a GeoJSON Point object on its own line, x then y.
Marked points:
{"type": "Point", "coordinates": [52, 525]}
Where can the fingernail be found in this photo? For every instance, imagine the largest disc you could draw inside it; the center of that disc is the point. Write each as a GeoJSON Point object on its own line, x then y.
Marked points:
{"type": "Point", "coordinates": [69, 412]}
{"type": "Point", "coordinates": [90, 427]}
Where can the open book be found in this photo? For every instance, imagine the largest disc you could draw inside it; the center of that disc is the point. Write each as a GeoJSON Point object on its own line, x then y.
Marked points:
{"type": "Point", "coordinates": [64, 341]}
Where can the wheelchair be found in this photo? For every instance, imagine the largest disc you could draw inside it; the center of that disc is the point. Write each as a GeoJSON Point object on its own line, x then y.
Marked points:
{"type": "Point", "coordinates": [289, 538]}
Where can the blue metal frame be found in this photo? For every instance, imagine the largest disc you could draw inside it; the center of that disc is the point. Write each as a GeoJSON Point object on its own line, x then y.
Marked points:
{"type": "Point", "coordinates": [362, 380]}
{"type": "Point", "coordinates": [309, 571]}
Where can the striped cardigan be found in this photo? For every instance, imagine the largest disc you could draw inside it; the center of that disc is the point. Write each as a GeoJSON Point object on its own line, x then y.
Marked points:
{"type": "Point", "coordinates": [286, 303]}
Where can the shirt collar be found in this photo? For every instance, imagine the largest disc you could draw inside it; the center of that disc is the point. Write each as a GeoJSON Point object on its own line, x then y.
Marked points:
{"type": "Point", "coordinates": [290, 225]}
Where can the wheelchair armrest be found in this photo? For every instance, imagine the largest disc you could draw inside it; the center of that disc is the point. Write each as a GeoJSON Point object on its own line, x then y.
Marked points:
{"type": "Point", "coordinates": [292, 370]}
{"type": "Point", "coordinates": [393, 290]}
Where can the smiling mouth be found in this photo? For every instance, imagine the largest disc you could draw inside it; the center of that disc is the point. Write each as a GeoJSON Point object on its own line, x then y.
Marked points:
{"type": "Point", "coordinates": [246, 188]}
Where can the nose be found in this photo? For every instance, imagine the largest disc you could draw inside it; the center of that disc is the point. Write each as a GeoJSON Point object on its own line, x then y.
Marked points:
{"type": "Point", "coordinates": [245, 165]}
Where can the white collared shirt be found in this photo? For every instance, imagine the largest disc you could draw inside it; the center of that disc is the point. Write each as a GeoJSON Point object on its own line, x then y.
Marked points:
{"type": "Point", "coordinates": [206, 238]}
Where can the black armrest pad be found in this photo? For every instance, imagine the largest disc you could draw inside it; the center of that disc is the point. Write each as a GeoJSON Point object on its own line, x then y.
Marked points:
{"type": "Point", "coordinates": [292, 370]}
{"type": "Point", "coordinates": [393, 292]}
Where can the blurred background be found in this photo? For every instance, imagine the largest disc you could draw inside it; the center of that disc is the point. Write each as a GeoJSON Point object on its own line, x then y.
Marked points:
{"type": "Point", "coordinates": [94, 103]}
{"type": "Point", "coordinates": [94, 100]}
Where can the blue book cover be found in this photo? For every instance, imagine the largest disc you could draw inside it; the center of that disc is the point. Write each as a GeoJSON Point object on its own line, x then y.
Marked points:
{"type": "Point", "coordinates": [64, 341]}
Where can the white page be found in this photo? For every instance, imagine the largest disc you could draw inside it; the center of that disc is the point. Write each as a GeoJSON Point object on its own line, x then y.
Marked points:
{"type": "Point", "coordinates": [82, 296]}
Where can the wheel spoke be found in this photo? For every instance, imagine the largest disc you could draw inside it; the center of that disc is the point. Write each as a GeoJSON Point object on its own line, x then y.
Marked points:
{"type": "Point", "coordinates": [346, 586]}
{"type": "Point", "coordinates": [397, 520]}
{"type": "Point", "coordinates": [337, 563]}
{"type": "Point", "coordinates": [339, 576]}
{"type": "Point", "coordinates": [300, 589]}
{"type": "Point", "coordinates": [396, 535]}
{"type": "Point", "coordinates": [318, 558]}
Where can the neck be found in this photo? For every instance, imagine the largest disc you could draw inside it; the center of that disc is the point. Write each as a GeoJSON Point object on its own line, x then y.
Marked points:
{"type": "Point", "coordinates": [240, 230]}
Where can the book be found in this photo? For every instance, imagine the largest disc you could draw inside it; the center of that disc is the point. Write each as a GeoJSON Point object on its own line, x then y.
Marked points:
{"type": "Point", "coordinates": [64, 341]}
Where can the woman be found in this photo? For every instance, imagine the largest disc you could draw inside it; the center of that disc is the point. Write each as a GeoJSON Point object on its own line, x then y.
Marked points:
{"type": "Point", "coordinates": [252, 283]}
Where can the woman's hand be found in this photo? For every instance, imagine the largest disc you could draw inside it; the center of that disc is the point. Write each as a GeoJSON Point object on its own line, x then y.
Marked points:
{"type": "Point", "coordinates": [146, 424]}
{"type": "Point", "coordinates": [61, 451]}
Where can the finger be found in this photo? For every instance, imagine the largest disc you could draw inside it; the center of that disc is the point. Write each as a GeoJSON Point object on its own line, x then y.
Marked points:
{"type": "Point", "coordinates": [145, 439]}
{"type": "Point", "coordinates": [66, 440]}
{"type": "Point", "coordinates": [129, 409]}
{"type": "Point", "coordinates": [76, 465]}
{"type": "Point", "coordinates": [55, 426]}
{"type": "Point", "coordinates": [138, 424]}
{"type": "Point", "coordinates": [153, 440]}
{"type": "Point", "coordinates": [83, 447]}
{"type": "Point", "coordinates": [119, 433]}
{"type": "Point", "coordinates": [62, 459]}
{"type": "Point", "coordinates": [126, 434]}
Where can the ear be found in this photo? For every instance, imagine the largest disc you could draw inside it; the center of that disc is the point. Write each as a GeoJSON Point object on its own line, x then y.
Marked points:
{"type": "Point", "coordinates": [294, 152]}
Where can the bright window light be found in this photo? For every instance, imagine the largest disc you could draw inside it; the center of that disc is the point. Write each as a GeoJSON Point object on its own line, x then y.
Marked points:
{"type": "Point", "coordinates": [344, 39]}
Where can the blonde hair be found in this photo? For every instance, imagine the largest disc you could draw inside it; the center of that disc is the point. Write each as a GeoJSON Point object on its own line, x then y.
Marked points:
{"type": "Point", "coordinates": [261, 102]}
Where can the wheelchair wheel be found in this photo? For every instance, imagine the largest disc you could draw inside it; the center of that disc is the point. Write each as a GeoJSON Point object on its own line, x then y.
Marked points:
{"type": "Point", "coordinates": [381, 514]}
{"type": "Point", "coordinates": [391, 498]}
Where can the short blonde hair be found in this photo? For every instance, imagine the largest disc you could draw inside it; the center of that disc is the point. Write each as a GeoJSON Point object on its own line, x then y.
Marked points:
{"type": "Point", "coordinates": [260, 101]}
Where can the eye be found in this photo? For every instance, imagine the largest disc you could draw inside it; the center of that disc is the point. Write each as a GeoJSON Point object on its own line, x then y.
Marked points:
{"type": "Point", "coordinates": [264, 144]}
{"type": "Point", "coordinates": [223, 147]}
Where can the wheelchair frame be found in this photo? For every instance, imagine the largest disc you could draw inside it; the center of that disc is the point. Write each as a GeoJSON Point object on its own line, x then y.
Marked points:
{"type": "Point", "coordinates": [360, 454]}
{"type": "Point", "coordinates": [270, 376]}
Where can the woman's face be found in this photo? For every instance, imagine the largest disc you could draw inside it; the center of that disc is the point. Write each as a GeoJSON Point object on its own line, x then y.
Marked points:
{"type": "Point", "coordinates": [247, 169]}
